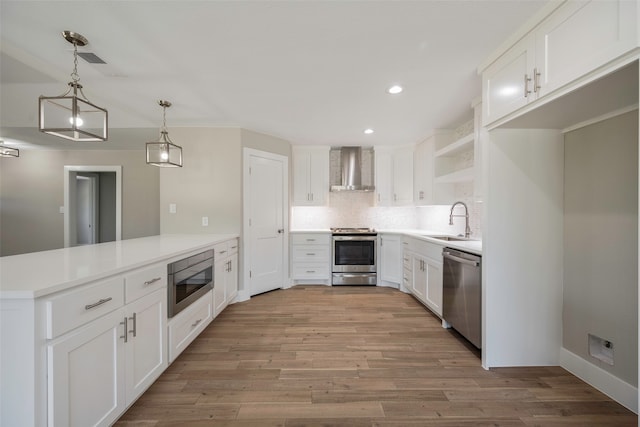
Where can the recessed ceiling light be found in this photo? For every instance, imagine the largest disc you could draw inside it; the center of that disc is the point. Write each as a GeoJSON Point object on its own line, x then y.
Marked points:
{"type": "Point", "coordinates": [395, 89]}
{"type": "Point", "coordinates": [368, 131]}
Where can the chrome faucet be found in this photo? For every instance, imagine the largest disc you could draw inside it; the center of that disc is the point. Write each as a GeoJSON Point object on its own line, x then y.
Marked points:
{"type": "Point", "coordinates": [467, 229]}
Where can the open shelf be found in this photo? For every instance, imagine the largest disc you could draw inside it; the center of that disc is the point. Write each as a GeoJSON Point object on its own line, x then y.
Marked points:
{"type": "Point", "coordinates": [456, 147]}
{"type": "Point", "coordinates": [462, 175]}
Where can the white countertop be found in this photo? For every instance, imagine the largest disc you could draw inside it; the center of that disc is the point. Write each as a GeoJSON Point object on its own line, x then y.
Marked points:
{"type": "Point", "coordinates": [473, 246]}
{"type": "Point", "coordinates": [41, 273]}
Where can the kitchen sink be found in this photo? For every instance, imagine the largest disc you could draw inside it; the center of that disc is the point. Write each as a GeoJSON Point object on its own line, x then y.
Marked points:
{"type": "Point", "coordinates": [449, 238]}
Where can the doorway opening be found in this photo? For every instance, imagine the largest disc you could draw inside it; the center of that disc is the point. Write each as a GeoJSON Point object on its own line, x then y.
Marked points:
{"type": "Point", "coordinates": [92, 204]}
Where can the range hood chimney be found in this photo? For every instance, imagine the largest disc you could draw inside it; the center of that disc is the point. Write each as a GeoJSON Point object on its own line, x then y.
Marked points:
{"type": "Point", "coordinates": [350, 169]}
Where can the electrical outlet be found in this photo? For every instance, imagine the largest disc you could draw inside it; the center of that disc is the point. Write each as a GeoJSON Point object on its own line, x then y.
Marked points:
{"type": "Point", "coordinates": [172, 208]}
{"type": "Point", "coordinates": [205, 221]}
{"type": "Point", "coordinates": [601, 349]}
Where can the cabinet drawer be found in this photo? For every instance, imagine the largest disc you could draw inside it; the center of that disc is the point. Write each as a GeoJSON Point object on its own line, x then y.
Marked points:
{"type": "Point", "coordinates": [311, 239]}
{"type": "Point", "coordinates": [429, 250]}
{"type": "Point", "coordinates": [77, 307]}
{"type": "Point", "coordinates": [311, 254]}
{"type": "Point", "coordinates": [232, 246]}
{"type": "Point", "coordinates": [187, 325]}
{"type": "Point", "coordinates": [311, 271]}
{"type": "Point", "coordinates": [221, 250]}
{"type": "Point", "coordinates": [141, 282]}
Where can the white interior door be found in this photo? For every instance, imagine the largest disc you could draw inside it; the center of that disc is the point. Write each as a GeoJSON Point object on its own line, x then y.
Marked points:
{"type": "Point", "coordinates": [266, 220]}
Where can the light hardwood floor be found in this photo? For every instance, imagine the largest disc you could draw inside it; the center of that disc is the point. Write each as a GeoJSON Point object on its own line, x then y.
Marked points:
{"type": "Point", "coordinates": [355, 356]}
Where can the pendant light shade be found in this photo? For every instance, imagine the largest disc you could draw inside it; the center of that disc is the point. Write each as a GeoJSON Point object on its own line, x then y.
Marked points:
{"type": "Point", "coordinates": [6, 151]}
{"type": "Point", "coordinates": [71, 115]}
{"type": "Point", "coordinates": [164, 153]}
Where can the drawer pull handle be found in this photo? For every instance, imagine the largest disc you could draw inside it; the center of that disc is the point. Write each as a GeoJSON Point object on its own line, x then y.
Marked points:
{"type": "Point", "coordinates": [95, 304]}
{"type": "Point", "coordinates": [154, 280]}
{"type": "Point", "coordinates": [196, 323]}
{"type": "Point", "coordinates": [222, 252]}
{"type": "Point", "coordinates": [234, 247]}
{"type": "Point", "coordinates": [311, 254]}
{"type": "Point", "coordinates": [311, 271]}
{"type": "Point", "coordinates": [311, 240]}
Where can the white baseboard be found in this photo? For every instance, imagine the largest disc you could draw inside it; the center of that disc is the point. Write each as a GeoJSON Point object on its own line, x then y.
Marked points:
{"type": "Point", "coordinates": [617, 389]}
{"type": "Point", "coordinates": [243, 295]}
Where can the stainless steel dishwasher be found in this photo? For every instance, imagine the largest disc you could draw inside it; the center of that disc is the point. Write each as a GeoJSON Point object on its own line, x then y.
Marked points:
{"type": "Point", "coordinates": [462, 293]}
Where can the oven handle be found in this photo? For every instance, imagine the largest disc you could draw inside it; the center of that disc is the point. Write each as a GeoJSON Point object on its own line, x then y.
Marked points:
{"type": "Point", "coordinates": [358, 238]}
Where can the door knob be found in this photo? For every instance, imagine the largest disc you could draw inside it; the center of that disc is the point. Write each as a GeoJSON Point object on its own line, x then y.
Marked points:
{"type": "Point", "coordinates": [280, 230]}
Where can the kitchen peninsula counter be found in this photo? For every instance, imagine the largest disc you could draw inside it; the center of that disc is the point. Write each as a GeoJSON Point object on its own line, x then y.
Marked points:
{"type": "Point", "coordinates": [37, 274]}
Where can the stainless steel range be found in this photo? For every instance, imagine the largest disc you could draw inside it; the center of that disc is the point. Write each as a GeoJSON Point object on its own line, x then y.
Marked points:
{"type": "Point", "coordinates": [354, 257]}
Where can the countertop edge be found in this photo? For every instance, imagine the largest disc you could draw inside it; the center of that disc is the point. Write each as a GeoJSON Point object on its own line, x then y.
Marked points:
{"type": "Point", "coordinates": [63, 285]}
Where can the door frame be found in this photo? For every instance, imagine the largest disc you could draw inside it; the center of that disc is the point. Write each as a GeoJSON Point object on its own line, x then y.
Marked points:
{"type": "Point", "coordinates": [70, 170]}
{"type": "Point", "coordinates": [245, 293]}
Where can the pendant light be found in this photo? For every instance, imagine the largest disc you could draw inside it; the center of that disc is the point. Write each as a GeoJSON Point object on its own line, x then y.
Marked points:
{"type": "Point", "coordinates": [6, 151]}
{"type": "Point", "coordinates": [164, 153]}
{"type": "Point", "coordinates": [70, 116]}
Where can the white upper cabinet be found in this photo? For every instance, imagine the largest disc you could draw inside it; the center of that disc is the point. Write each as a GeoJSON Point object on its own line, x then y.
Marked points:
{"type": "Point", "coordinates": [310, 175]}
{"type": "Point", "coordinates": [572, 41]}
{"type": "Point", "coordinates": [403, 176]}
{"type": "Point", "coordinates": [507, 84]}
{"type": "Point", "coordinates": [394, 176]}
{"type": "Point", "coordinates": [384, 176]}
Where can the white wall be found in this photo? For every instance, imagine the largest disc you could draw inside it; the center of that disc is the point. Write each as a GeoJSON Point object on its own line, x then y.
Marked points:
{"type": "Point", "coordinates": [208, 184]}
{"type": "Point", "coordinates": [522, 248]}
{"type": "Point", "coordinates": [210, 181]}
{"type": "Point", "coordinates": [601, 242]}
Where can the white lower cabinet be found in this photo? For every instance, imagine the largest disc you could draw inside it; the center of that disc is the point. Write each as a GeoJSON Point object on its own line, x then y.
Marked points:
{"type": "Point", "coordinates": [225, 275]}
{"type": "Point", "coordinates": [391, 258]}
{"type": "Point", "coordinates": [422, 272]}
{"type": "Point", "coordinates": [97, 370]}
{"type": "Point", "coordinates": [187, 325]}
{"type": "Point", "coordinates": [311, 257]}
{"type": "Point", "coordinates": [86, 374]}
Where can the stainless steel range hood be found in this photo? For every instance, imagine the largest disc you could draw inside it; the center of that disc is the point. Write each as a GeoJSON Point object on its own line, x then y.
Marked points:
{"type": "Point", "coordinates": [351, 169]}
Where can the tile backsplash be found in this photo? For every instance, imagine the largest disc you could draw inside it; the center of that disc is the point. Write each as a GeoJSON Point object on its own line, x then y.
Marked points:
{"type": "Point", "coordinates": [356, 209]}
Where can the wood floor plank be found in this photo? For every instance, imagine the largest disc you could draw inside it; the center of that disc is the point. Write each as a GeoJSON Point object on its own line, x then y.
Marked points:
{"type": "Point", "coordinates": [355, 356]}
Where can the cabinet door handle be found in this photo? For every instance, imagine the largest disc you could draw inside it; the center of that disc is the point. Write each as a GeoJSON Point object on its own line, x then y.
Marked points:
{"type": "Point", "coordinates": [536, 80]}
{"type": "Point", "coordinates": [196, 323]}
{"type": "Point", "coordinates": [134, 330]}
{"type": "Point", "coordinates": [125, 323]}
{"type": "Point", "coordinates": [312, 197]}
{"type": "Point", "coordinates": [222, 252]}
{"type": "Point", "coordinates": [95, 304]}
{"type": "Point", "coordinates": [154, 280]}
{"type": "Point", "coordinates": [527, 79]}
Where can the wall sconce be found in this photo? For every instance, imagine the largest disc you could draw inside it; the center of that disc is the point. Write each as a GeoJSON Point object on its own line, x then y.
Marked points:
{"type": "Point", "coordinates": [73, 117]}
{"type": "Point", "coordinates": [164, 153]}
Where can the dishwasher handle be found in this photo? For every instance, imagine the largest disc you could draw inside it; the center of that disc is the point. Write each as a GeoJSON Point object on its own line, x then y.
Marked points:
{"type": "Point", "coordinates": [460, 260]}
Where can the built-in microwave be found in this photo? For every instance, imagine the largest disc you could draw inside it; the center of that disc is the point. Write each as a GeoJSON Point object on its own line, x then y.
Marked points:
{"type": "Point", "coordinates": [188, 280]}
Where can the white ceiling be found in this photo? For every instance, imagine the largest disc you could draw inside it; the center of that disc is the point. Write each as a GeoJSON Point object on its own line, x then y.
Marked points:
{"type": "Point", "coordinates": [311, 72]}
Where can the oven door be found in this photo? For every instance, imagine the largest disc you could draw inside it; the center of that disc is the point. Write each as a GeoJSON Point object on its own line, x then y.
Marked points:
{"type": "Point", "coordinates": [354, 254]}
{"type": "Point", "coordinates": [187, 285]}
